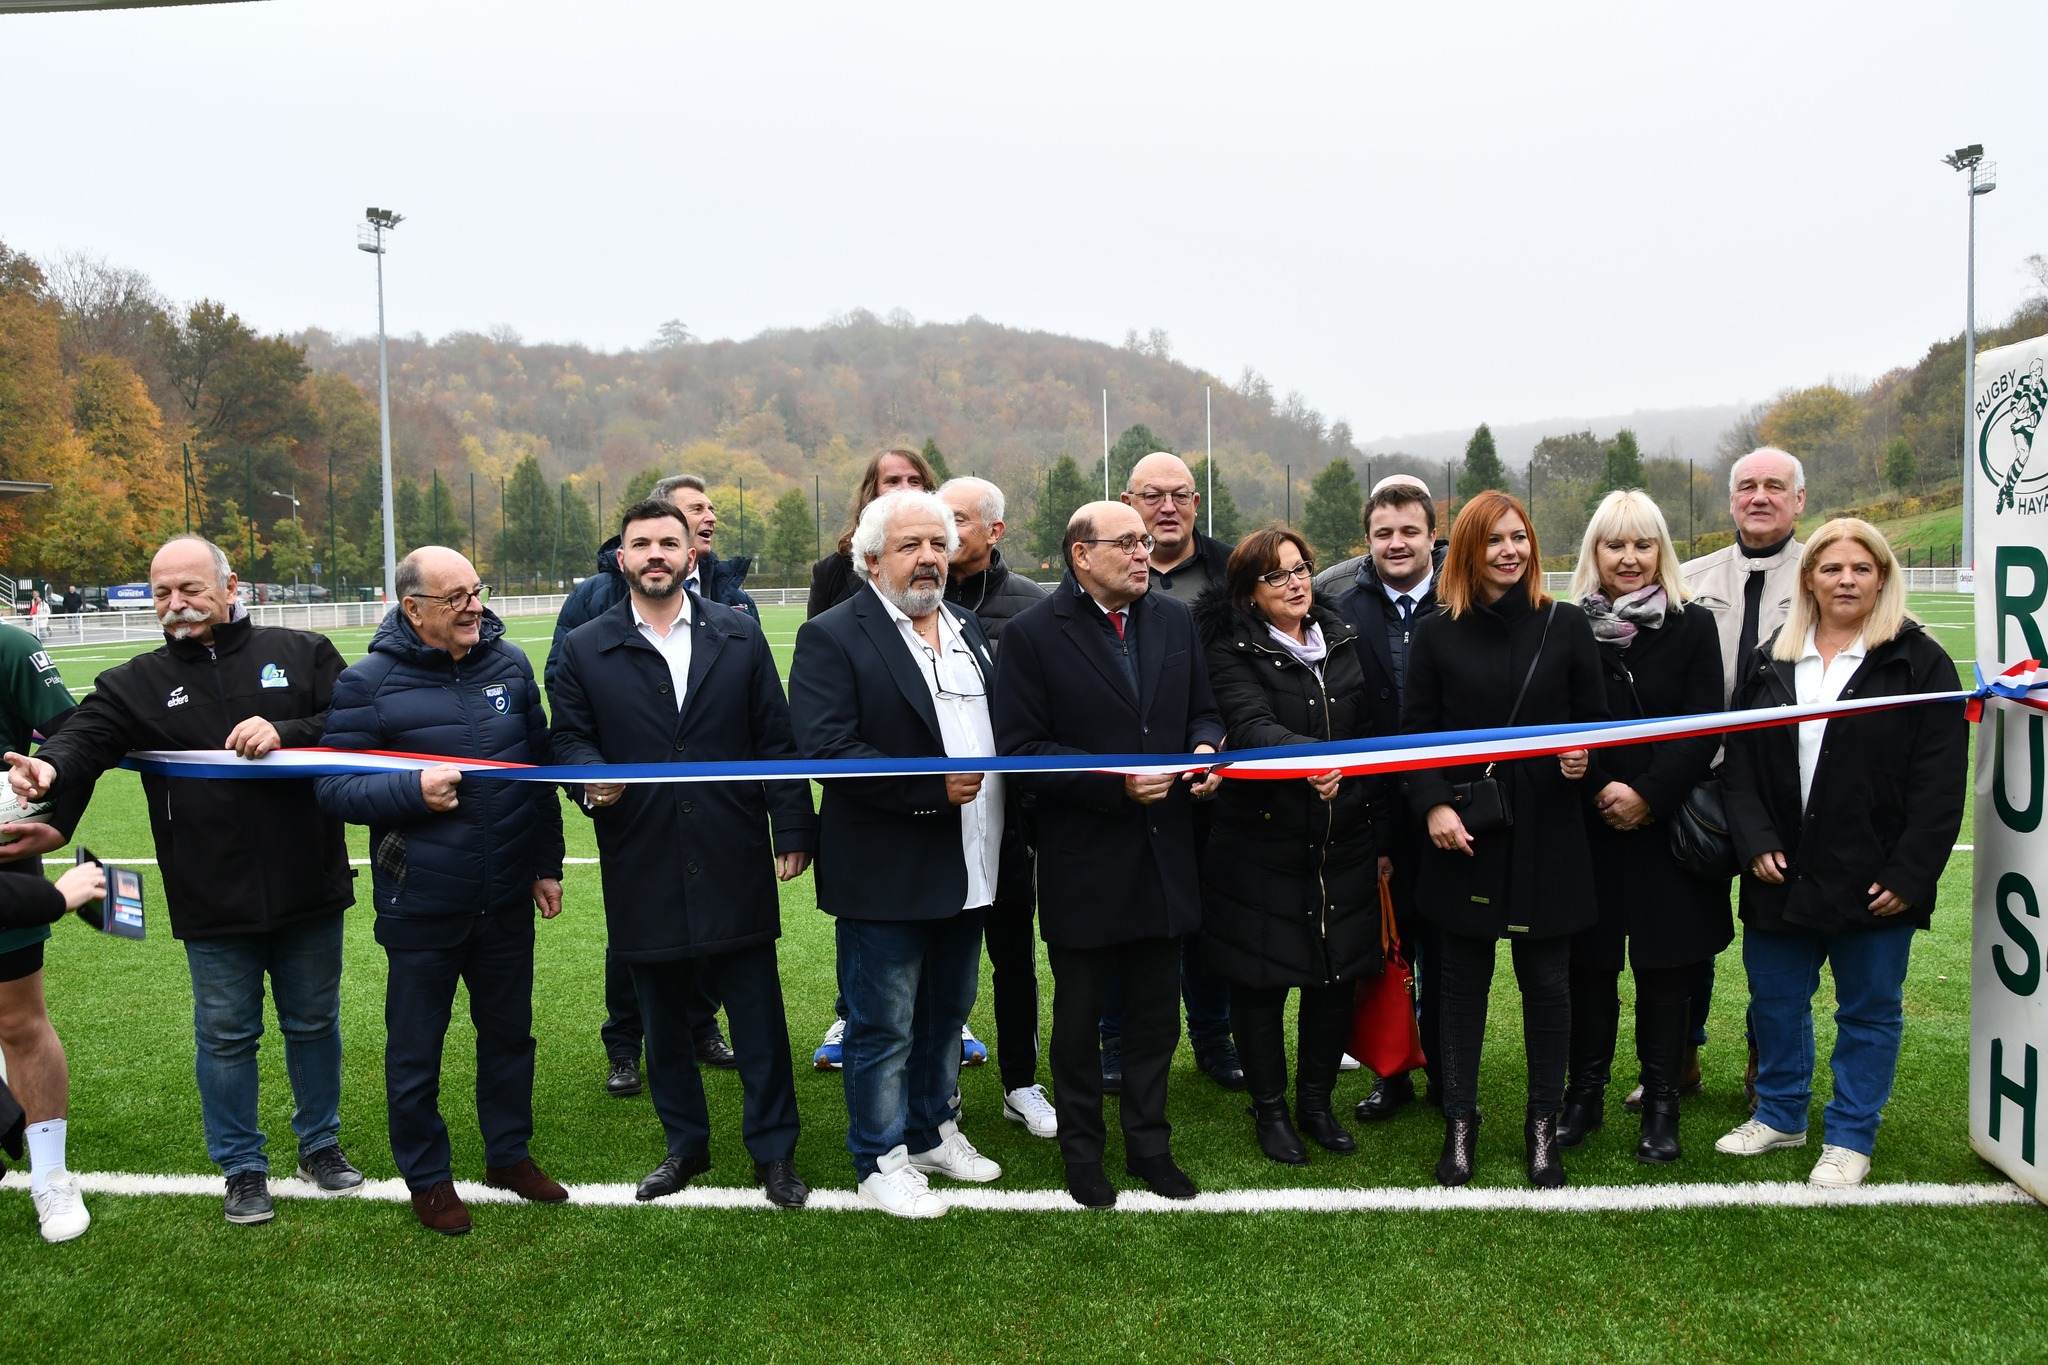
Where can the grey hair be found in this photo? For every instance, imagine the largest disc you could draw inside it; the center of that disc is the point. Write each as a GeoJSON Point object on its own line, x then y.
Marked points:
{"type": "Point", "coordinates": [876, 518]}
{"type": "Point", "coordinates": [222, 570]}
{"type": "Point", "coordinates": [1798, 469]}
{"type": "Point", "coordinates": [410, 580]}
{"type": "Point", "coordinates": [988, 499]}
{"type": "Point", "coordinates": [666, 489]}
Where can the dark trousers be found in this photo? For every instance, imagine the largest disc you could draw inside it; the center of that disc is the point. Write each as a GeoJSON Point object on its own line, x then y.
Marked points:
{"type": "Point", "coordinates": [1700, 984]}
{"type": "Point", "coordinates": [1423, 942]}
{"type": "Point", "coordinates": [1013, 962]}
{"type": "Point", "coordinates": [1543, 971]}
{"type": "Point", "coordinates": [748, 982]}
{"type": "Point", "coordinates": [494, 960]}
{"type": "Point", "coordinates": [623, 1030]}
{"type": "Point", "coordinates": [1596, 1021]}
{"type": "Point", "coordinates": [1150, 972]}
{"type": "Point", "coordinates": [1206, 995]}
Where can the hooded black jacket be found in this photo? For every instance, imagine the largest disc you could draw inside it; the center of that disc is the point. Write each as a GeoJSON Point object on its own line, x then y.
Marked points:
{"type": "Point", "coordinates": [237, 857]}
{"type": "Point", "coordinates": [994, 595]}
{"type": "Point", "coordinates": [1887, 792]}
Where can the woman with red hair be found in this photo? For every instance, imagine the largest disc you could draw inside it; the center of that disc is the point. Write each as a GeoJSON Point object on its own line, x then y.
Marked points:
{"type": "Point", "coordinates": [1508, 856]}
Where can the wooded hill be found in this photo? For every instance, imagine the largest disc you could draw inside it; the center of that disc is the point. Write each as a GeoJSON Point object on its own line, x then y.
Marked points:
{"type": "Point", "coordinates": [144, 414]}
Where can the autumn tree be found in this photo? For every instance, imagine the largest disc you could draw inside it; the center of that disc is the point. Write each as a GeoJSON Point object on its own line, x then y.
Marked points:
{"type": "Point", "coordinates": [291, 551]}
{"type": "Point", "coordinates": [1333, 521]}
{"type": "Point", "coordinates": [33, 401]}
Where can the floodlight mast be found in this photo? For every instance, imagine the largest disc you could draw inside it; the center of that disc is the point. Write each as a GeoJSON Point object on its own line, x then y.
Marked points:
{"type": "Point", "coordinates": [1983, 178]}
{"type": "Point", "coordinates": [371, 239]}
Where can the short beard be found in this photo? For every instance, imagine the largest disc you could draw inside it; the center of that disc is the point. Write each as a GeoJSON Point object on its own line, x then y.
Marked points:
{"type": "Point", "coordinates": [914, 602]}
{"type": "Point", "coordinates": [659, 592]}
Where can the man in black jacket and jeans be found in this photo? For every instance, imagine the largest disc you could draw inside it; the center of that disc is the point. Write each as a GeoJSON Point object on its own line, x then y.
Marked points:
{"type": "Point", "coordinates": [689, 870]}
{"type": "Point", "coordinates": [255, 875]}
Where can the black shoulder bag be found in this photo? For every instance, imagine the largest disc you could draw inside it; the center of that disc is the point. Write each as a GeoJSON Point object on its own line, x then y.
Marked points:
{"type": "Point", "coordinates": [1483, 802]}
{"type": "Point", "coordinates": [1701, 842]}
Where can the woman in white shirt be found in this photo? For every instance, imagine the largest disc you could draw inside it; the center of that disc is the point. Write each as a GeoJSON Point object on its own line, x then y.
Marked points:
{"type": "Point", "coordinates": [1844, 827]}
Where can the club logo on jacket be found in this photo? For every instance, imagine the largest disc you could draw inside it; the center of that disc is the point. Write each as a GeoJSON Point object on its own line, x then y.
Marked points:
{"type": "Point", "coordinates": [273, 676]}
{"type": "Point", "coordinates": [500, 700]}
{"type": "Point", "coordinates": [177, 698]}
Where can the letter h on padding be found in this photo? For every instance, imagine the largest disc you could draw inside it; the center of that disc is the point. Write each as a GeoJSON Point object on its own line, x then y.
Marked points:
{"type": "Point", "coordinates": [2023, 1093]}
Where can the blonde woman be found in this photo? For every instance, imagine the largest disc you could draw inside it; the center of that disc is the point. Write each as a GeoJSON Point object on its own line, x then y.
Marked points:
{"type": "Point", "coordinates": [1658, 658]}
{"type": "Point", "coordinates": [1844, 827]}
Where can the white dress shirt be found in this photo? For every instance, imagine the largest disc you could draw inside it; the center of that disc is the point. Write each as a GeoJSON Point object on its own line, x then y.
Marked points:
{"type": "Point", "coordinates": [674, 647]}
{"type": "Point", "coordinates": [1414, 594]}
{"type": "Point", "coordinates": [965, 730]}
{"type": "Point", "coordinates": [1816, 685]}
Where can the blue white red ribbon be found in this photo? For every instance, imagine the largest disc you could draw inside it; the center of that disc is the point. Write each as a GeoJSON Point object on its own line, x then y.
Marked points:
{"type": "Point", "coordinates": [1387, 754]}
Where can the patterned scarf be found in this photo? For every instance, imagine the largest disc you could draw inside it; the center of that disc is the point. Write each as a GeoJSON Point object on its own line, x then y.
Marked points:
{"type": "Point", "coordinates": [1615, 623]}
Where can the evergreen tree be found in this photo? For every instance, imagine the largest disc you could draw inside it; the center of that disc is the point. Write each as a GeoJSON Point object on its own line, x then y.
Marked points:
{"type": "Point", "coordinates": [641, 486]}
{"type": "Point", "coordinates": [1333, 521]}
{"type": "Point", "coordinates": [792, 534]}
{"type": "Point", "coordinates": [1482, 469]}
{"type": "Point", "coordinates": [527, 543]}
{"type": "Point", "coordinates": [1064, 491]}
{"type": "Point", "coordinates": [410, 511]}
{"type": "Point", "coordinates": [937, 461]}
{"type": "Point", "coordinates": [576, 527]}
{"type": "Point", "coordinates": [1901, 468]}
{"type": "Point", "coordinates": [1219, 507]}
{"type": "Point", "coordinates": [291, 552]}
{"type": "Point", "coordinates": [1134, 445]}
{"type": "Point", "coordinates": [1624, 461]}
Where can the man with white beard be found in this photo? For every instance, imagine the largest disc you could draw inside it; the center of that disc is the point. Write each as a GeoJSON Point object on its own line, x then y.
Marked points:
{"type": "Point", "coordinates": [256, 876]}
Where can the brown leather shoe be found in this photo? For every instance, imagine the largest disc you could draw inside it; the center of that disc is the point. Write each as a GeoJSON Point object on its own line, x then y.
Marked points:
{"type": "Point", "coordinates": [440, 1209]}
{"type": "Point", "coordinates": [528, 1181]}
{"type": "Point", "coordinates": [1690, 1081]}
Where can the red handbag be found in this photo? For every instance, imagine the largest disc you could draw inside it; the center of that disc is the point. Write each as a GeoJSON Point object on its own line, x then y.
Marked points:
{"type": "Point", "coordinates": [1384, 1037]}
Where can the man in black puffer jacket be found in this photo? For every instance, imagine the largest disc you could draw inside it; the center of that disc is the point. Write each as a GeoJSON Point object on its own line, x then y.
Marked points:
{"type": "Point", "coordinates": [455, 878]}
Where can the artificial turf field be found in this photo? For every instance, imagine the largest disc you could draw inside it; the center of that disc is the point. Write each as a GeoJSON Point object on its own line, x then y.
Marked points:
{"type": "Point", "coordinates": [163, 1277]}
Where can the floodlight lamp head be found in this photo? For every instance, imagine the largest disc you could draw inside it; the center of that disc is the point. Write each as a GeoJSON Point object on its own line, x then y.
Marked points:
{"type": "Point", "coordinates": [383, 218]}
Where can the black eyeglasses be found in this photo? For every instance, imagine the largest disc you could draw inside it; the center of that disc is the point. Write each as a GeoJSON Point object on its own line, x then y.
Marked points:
{"type": "Point", "coordinates": [457, 600]}
{"type": "Point", "coordinates": [1278, 578]}
{"type": "Point", "coordinates": [939, 688]}
{"type": "Point", "coordinates": [1128, 542]}
{"type": "Point", "coordinates": [1182, 497]}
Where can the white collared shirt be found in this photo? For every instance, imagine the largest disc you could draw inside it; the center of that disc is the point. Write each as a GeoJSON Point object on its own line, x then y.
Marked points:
{"type": "Point", "coordinates": [1816, 685]}
{"type": "Point", "coordinates": [965, 730]}
{"type": "Point", "coordinates": [673, 647]}
{"type": "Point", "coordinates": [1414, 594]}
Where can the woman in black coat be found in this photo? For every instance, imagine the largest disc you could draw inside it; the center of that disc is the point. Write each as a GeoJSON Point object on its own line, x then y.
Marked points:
{"type": "Point", "coordinates": [1289, 880]}
{"type": "Point", "coordinates": [890, 471]}
{"type": "Point", "coordinates": [1495, 634]}
{"type": "Point", "coordinates": [1844, 827]}
{"type": "Point", "coordinates": [1659, 659]}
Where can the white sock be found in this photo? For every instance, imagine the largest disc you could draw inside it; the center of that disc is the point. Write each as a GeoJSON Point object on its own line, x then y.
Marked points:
{"type": "Point", "coordinates": [45, 1153]}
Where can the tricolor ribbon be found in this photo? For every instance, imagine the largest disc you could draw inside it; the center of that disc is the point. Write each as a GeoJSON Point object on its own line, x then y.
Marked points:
{"type": "Point", "coordinates": [1387, 754]}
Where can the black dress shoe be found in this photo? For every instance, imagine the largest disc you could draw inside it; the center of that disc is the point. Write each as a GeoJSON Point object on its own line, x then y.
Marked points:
{"type": "Point", "coordinates": [1461, 1149]}
{"type": "Point", "coordinates": [1220, 1065]}
{"type": "Point", "coordinates": [1161, 1176]}
{"type": "Point", "coordinates": [1388, 1097]}
{"type": "Point", "coordinates": [624, 1079]}
{"type": "Point", "coordinates": [1112, 1067]}
{"type": "Point", "coordinates": [714, 1052]}
{"type": "Point", "coordinates": [1090, 1187]}
{"type": "Point", "coordinates": [671, 1175]}
{"type": "Point", "coordinates": [1583, 1117]}
{"type": "Point", "coordinates": [1275, 1131]}
{"type": "Point", "coordinates": [779, 1178]}
{"type": "Point", "coordinates": [1321, 1127]}
{"type": "Point", "coordinates": [1546, 1156]}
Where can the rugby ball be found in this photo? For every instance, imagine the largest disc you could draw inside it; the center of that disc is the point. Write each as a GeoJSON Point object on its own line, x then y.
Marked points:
{"type": "Point", "coordinates": [12, 811]}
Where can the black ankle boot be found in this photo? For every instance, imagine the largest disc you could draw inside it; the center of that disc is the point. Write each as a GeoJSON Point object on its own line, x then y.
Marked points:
{"type": "Point", "coordinates": [1584, 1115]}
{"type": "Point", "coordinates": [1546, 1158]}
{"type": "Point", "coordinates": [1659, 1145]}
{"type": "Point", "coordinates": [1322, 1029]}
{"type": "Point", "coordinates": [1277, 1138]}
{"type": "Point", "coordinates": [1660, 1032]}
{"type": "Point", "coordinates": [1461, 1149]}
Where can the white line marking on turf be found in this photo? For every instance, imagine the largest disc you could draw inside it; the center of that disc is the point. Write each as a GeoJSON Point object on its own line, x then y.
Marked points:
{"type": "Point", "coordinates": [1430, 1199]}
{"type": "Point", "coordinates": [352, 862]}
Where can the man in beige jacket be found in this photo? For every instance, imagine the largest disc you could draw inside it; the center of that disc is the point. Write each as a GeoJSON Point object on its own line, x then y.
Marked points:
{"type": "Point", "coordinates": [1749, 587]}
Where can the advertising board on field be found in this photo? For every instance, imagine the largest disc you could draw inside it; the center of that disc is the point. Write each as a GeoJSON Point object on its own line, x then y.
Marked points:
{"type": "Point", "coordinates": [2009, 948]}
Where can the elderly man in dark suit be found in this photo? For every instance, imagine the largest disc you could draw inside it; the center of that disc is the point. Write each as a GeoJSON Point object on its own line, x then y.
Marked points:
{"type": "Point", "coordinates": [1104, 667]}
{"type": "Point", "coordinates": [689, 871]}
{"type": "Point", "coordinates": [907, 866]}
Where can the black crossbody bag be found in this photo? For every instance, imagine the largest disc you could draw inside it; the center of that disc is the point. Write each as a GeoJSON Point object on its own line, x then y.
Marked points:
{"type": "Point", "coordinates": [1701, 841]}
{"type": "Point", "coordinates": [1483, 802]}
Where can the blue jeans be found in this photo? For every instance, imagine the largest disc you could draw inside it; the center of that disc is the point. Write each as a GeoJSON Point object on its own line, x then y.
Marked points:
{"type": "Point", "coordinates": [1870, 978]}
{"type": "Point", "coordinates": [304, 963]}
{"type": "Point", "coordinates": [1207, 999]}
{"type": "Point", "coordinates": [909, 986]}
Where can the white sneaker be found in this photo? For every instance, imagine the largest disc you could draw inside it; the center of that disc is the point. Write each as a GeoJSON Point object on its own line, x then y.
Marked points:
{"type": "Point", "coordinates": [1347, 1063]}
{"type": "Point", "coordinates": [955, 1158]}
{"type": "Point", "coordinates": [1839, 1168]}
{"type": "Point", "coordinates": [1754, 1137]}
{"type": "Point", "coordinates": [898, 1187]}
{"type": "Point", "coordinates": [1030, 1107]}
{"type": "Point", "coordinates": [59, 1209]}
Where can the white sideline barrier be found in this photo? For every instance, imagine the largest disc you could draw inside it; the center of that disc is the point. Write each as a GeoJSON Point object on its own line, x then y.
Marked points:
{"type": "Point", "coordinates": [117, 627]}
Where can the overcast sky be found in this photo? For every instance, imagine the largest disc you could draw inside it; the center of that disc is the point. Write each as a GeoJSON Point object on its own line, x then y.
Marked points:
{"type": "Point", "coordinates": [1421, 216]}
